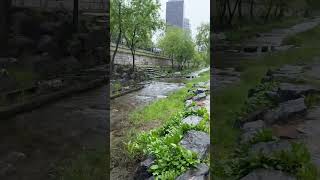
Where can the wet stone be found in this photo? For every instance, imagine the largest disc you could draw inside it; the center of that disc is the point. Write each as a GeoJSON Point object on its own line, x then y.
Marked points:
{"type": "Point", "coordinates": [200, 90]}
{"type": "Point", "coordinates": [268, 148]}
{"type": "Point", "coordinates": [267, 174]}
{"type": "Point", "coordinates": [285, 110]}
{"type": "Point", "coordinates": [188, 103]}
{"type": "Point", "coordinates": [196, 141]}
{"type": "Point", "coordinates": [200, 172]}
{"type": "Point", "coordinates": [288, 91]}
{"type": "Point", "coordinates": [192, 120]}
{"type": "Point", "coordinates": [199, 97]}
{"type": "Point", "coordinates": [142, 170]}
{"type": "Point", "coordinates": [254, 126]}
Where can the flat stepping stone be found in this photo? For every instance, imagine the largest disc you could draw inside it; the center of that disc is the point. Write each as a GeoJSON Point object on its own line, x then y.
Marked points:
{"type": "Point", "coordinates": [267, 174]}
{"type": "Point", "coordinates": [196, 141]}
{"type": "Point", "coordinates": [254, 126]}
{"type": "Point", "coordinates": [285, 110]}
{"type": "Point", "coordinates": [192, 120]}
{"type": "Point", "coordinates": [268, 148]}
{"type": "Point", "coordinates": [199, 97]}
{"type": "Point", "coordinates": [288, 91]}
{"type": "Point", "coordinates": [200, 172]}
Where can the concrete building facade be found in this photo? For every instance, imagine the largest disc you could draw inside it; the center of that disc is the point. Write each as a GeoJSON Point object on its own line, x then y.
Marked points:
{"type": "Point", "coordinates": [175, 13]}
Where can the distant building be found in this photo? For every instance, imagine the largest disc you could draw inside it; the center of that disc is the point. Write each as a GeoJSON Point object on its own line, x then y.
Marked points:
{"type": "Point", "coordinates": [186, 24]}
{"type": "Point", "coordinates": [175, 13]}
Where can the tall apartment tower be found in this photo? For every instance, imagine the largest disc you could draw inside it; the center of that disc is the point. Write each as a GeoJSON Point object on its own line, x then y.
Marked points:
{"type": "Point", "coordinates": [186, 24]}
{"type": "Point", "coordinates": [175, 13]}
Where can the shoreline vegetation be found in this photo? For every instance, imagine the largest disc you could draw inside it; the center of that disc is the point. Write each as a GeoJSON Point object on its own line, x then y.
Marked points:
{"type": "Point", "coordinates": [229, 102]}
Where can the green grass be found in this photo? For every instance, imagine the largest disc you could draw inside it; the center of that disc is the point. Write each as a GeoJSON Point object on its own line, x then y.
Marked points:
{"type": "Point", "coordinates": [248, 31]}
{"type": "Point", "coordinates": [161, 109]}
{"type": "Point", "coordinates": [87, 165]}
{"type": "Point", "coordinates": [229, 101]}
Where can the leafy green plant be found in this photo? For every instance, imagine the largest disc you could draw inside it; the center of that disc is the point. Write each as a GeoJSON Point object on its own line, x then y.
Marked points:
{"type": "Point", "coordinates": [264, 135]}
{"type": "Point", "coordinates": [258, 99]}
{"type": "Point", "coordinates": [162, 143]}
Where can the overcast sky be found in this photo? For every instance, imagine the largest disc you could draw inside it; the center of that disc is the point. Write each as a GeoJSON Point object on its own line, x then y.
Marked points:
{"type": "Point", "coordinates": [198, 11]}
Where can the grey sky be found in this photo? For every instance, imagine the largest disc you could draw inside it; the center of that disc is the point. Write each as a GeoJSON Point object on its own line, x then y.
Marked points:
{"type": "Point", "coordinates": [198, 11]}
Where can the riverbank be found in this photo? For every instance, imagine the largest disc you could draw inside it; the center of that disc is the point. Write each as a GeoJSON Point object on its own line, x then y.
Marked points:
{"type": "Point", "coordinates": [154, 115]}
{"type": "Point", "coordinates": [230, 101]}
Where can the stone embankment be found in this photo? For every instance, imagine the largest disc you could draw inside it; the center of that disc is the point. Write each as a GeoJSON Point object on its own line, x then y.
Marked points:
{"type": "Point", "coordinates": [196, 141]}
{"type": "Point", "coordinates": [292, 116]}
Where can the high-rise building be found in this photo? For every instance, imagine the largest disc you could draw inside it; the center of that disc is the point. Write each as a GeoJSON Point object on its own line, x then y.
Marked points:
{"type": "Point", "coordinates": [175, 13]}
{"type": "Point", "coordinates": [186, 24]}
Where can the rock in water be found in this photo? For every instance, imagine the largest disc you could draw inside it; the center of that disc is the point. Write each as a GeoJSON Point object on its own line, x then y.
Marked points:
{"type": "Point", "coordinates": [285, 110]}
{"type": "Point", "coordinates": [192, 120]}
{"type": "Point", "coordinates": [267, 174]}
{"type": "Point", "coordinates": [196, 141]}
{"type": "Point", "coordinates": [200, 172]}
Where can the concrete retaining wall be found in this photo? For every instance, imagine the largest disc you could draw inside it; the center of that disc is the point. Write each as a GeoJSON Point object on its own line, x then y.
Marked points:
{"type": "Point", "coordinates": [124, 57]}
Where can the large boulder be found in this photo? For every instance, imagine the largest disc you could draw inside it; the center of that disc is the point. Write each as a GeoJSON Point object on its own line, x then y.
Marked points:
{"type": "Point", "coordinates": [268, 148]}
{"type": "Point", "coordinates": [285, 110]}
{"type": "Point", "coordinates": [200, 172]}
{"type": "Point", "coordinates": [267, 174]}
{"type": "Point", "coordinates": [196, 141]}
{"type": "Point", "coordinates": [199, 97]}
{"type": "Point", "coordinates": [288, 91]}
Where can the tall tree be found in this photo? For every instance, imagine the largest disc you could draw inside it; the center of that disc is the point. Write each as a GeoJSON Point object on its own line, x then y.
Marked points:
{"type": "Point", "coordinates": [143, 18]}
{"type": "Point", "coordinates": [117, 11]}
{"type": "Point", "coordinates": [203, 41]}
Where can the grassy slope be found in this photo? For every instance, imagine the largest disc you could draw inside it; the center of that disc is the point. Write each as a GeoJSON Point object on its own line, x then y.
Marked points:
{"type": "Point", "coordinates": [231, 99]}
{"type": "Point", "coordinates": [92, 165]}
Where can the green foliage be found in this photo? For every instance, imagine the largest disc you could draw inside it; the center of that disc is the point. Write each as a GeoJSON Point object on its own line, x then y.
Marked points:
{"type": "Point", "coordinates": [162, 143]}
{"type": "Point", "coordinates": [178, 45]}
{"type": "Point", "coordinates": [264, 135]}
{"type": "Point", "coordinates": [259, 100]}
{"type": "Point", "coordinates": [203, 37]}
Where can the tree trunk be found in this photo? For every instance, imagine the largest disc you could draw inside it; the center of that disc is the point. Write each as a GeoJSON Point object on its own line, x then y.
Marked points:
{"type": "Point", "coordinates": [251, 9]}
{"type": "Point", "coordinates": [172, 63]}
{"type": "Point", "coordinates": [240, 9]}
{"type": "Point", "coordinates": [75, 14]}
{"type": "Point", "coordinates": [268, 11]}
{"type": "Point", "coordinates": [233, 11]}
{"type": "Point", "coordinates": [115, 51]}
{"type": "Point", "coordinates": [4, 27]}
{"type": "Point", "coordinates": [118, 39]}
{"type": "Point", "coordinates": [133, 53]}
